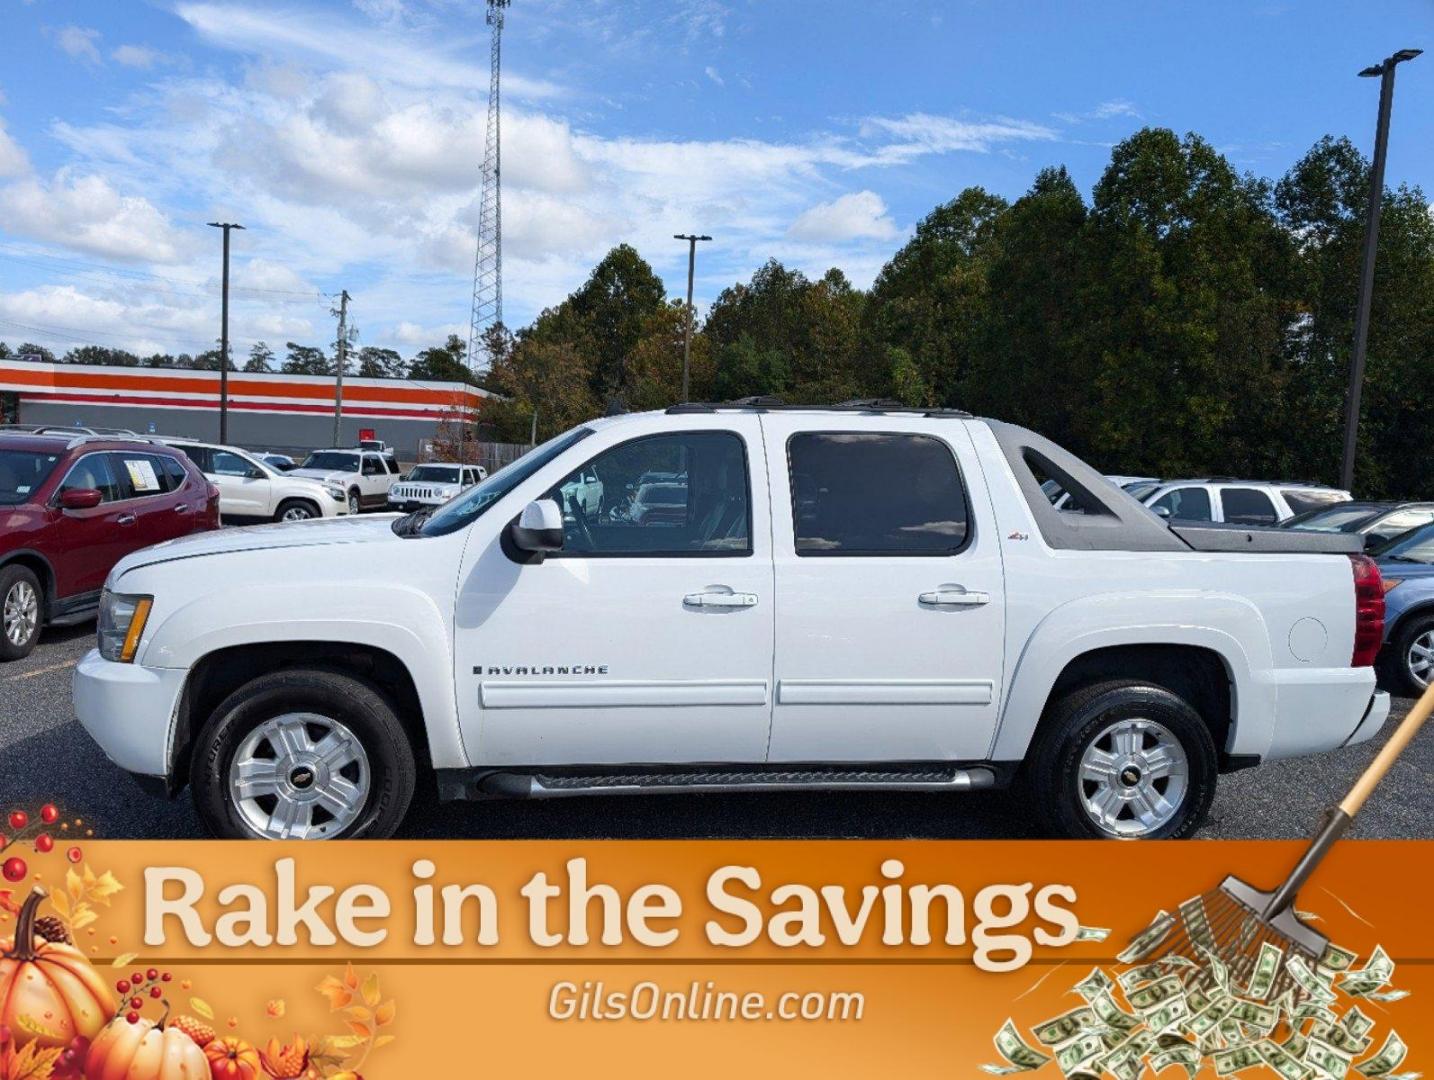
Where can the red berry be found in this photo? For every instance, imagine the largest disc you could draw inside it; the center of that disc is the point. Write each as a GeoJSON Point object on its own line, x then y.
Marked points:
{"type": "Point", "coordinates": [4, 841]}
{"type": "Point", "coordinates": [155, 991]}
{"type": "Point", "coordinates": [74, 854]}
{"type": "Point", "coordinates": [166, 977]}
{"type": "Point", "coordinates": [152, 974]}
{"type": "Point", "coordinates": [49, 813]}
{"type": "Point", "coordinates": [137, 978]}
{"type": "Point", "coordinates": [44, 843]}
{"type": "Point", "coordinates": [136, 1003]}
{"type": "Point", "coordinates": [19, 819]}
{"type": "Point", "coordinates": [122, 986]}
{"type": "Point", "coordinates": [15, 869]}
{"type": "Point", "coordinates": [132, 1017]}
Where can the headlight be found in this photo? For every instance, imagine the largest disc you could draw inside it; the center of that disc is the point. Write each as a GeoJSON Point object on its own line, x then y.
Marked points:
{"type": "Point", "coordinates": [336, 493]}
{"type": "Point", "coordinates": [120, 624]}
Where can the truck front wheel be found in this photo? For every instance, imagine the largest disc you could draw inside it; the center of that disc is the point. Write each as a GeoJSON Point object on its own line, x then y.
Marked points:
{"type": "Point", "coordinates": [303, 754]}
{"type": "Point", "coordinates": [1123, 760]}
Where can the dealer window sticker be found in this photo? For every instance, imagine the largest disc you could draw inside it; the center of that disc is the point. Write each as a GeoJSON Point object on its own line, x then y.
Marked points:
{"type": "Point", "coordinates": [141, 474]}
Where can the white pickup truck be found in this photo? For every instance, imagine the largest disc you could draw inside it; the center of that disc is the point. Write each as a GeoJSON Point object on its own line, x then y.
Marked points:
{"type": "Point", "coordinates": [856, 597]}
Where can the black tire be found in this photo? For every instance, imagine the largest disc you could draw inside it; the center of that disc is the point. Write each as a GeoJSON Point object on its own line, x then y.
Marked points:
{"type": "Point", "coordinates": [355, 501]}
{"type": "Point", "coordinates": [356, 704]}
{"type": "Point", "coordinates": [1398, 662]}
{"type": "Point", "coordinates": [1077, 721]}
{"type": "Point", "coordinates": [22, 608]}
{"type": "Point", "coordinates": [288, 506]}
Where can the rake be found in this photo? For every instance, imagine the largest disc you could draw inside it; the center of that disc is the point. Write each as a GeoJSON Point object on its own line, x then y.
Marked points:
{"type": "Point", "coordinates": [1234, 921]}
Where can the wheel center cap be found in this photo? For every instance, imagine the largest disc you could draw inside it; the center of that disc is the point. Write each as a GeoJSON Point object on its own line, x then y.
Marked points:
{"type": "Point", "coordinates": [301, 777]}
{"type": "Point", "coordinates": [1130, 776]}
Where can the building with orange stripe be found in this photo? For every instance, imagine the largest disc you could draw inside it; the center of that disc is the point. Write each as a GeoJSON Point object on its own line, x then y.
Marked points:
{"type": "Point", "coordinates": [289, 413]}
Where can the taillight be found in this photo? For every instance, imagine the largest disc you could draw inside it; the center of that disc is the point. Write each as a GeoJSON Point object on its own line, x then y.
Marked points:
{"type": "Point", "coordinates": [1368, 611]}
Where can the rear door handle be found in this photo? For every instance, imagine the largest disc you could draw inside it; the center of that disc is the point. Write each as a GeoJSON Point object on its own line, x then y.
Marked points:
{"type": "Point", "coordinates": [182, 508]}
{"type": "Point", "coordinates": [954, 596]}
{"type": "Point", "coordinates": [719, 596]}
{"type": "Point", "coordinates": [125, 519]}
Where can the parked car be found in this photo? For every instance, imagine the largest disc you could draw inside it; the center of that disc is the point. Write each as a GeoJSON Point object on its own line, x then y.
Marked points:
{"type": "Point", "coordinates": [1240, 502]}
{"type": "Point", "coordinates": [364, 475]}
{"type": "Point", "coordinates": [582, 495]}
{"type": "Point", "coordinates": [433, 484]}
{"type": "Point", "coordinates": [1061, 500]}
{"type": "Point", "coordinates": [282, 462]}
{"type": "Point", "coordinates": [1407, 566]}
{"type": "Point", "coordinates": [659, 504]}
{"type": "Point", "coordinates": [72, 507]}
{"type": "Point", "coordinates": [251, 490]}
{"type": "Point", "coordinates": [810, 624]}
{"type": "Point", "coordinates": [1376, 522]}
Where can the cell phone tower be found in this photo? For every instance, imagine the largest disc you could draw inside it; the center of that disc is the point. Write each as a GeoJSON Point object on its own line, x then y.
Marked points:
{"type": "Point", "coordinates": [487, 308]}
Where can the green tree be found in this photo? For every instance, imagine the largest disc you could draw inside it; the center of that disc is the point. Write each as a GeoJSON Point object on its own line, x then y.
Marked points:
{"type": "Point", "coordinates": [100, 354]}
{"type": "Point", "coordinates": [442, 363]}
{"type": "Point", "coordinates": [306, 360]}
{"type": "Point", "coordinates": [610, 311]}
{"type": "Point", "coordinates": [29, 348]}
{"type": "Point", "coordinates": [376, 363]}
{"type": "Point", "coordinates": [261, 358]}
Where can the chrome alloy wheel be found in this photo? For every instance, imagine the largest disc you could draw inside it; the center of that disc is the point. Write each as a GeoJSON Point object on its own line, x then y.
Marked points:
{"type": "Point", "coordinates": [1419, 660]}
{"type": "Point", "coordinates": [299, 776]}
{"type": "Point", "coordinates": [353, 503]}
{"type": "Point", "coordinates": [1133, 778]}
{"type": "Point", "coordinates": [298, 512]}
{"type": "Point", "coordinates": [22, 613]}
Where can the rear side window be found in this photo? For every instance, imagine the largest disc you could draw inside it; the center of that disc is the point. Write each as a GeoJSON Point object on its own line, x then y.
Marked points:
{"type": "Point", "coordinates": [227, 464]}
{"type": "Point", "coordinates": [1246, 506]}
{"type": "Point", "coordinates": [859, 493]}
{"type": "Point", "coordinates": [93, 471]}
{"type": "Point", "coordinates": [1185, 504]}
{"type": "Point", "coordinates": [197, 454]}
{"type": "Point", "coordinates": [175, 471]}
{"type": "Point", "coordinates": [139, 475]}
{"type": "Point", "coordinates": [1302, 500]}
{"type": "Point", "coordinates": [392, 463]}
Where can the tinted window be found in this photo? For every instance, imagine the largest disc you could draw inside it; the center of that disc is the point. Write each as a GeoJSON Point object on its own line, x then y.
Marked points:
{"type": "Point", "coordinates": [327, 459]}
{"type": "Point", "coordinates": [372, 466]}
{"type": "Point", "coordinates": [1401, 520]}
{"type": "Point", "coordinates": [224, 463]}
{"type": "Point", "coordinates": [392, 463]}
{"type": "Point", "coordinates": [1301, 499]}
{"type": "Point", "coordinates": [869, 494]}
{"type": "Point", "coordinates": [197, 454]}
{"type": "Point", "coordinates": [435, 474]}
{"type": "Point", "coordinates": [139, 475]}
{"type": "Point", "coordinates": [1187, 504]}
{"type": "Point", "coordinates": [473, 502]}
{"type": "Point", "coordinates": [175, 471]}
{"type": "Point", "coordinates": [21, 474]}
{"type": "Point", "coordinates": [93, 471]}
{"type": "Point", "coordinates": [606, 512]}
{"type": "Point", "coordinates": [1246, 506]}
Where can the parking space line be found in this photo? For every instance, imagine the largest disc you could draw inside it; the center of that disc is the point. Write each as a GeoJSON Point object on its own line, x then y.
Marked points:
{"type": "Point", "coordinates": [40, 671]}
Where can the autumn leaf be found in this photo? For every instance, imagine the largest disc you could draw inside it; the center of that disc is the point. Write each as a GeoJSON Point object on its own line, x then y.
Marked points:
{"type": "Point", "coordinates": [351, 979]}
{"type": "Point", "coordinates": [103, 888]}
{"type": "Point", "coordinates": [123, 960]}
{"type": "Point", "coordinates": [384, 1014]}
{"type": "Point", "coordinates": [74, 885]}
{"type": "Point", "coordinates": [7, 902]}
{"type": "Point", "coordinates": [202, 1007]}
{"type": "Point", "coordinates": [84, 915]}
{"type": "Point", "coordinates": [342, 1042]}
{"type": "Point", "coordinates": [33, 1063]}
{"type": "Point", "coordinates": [371, 994]}
{"type": "Point", "coordinates": [383, 1040]}
{"type": "Point", "coordinates": [61, 903]}
{"type": "Point", "coordinates": [338, 994]}
{"type": "Point", "coordinates": [276, 1008]}
{"type": "Point", "coordinates": [363, 1031]}
{"type": "Point", "coordinates": [359, 1013]}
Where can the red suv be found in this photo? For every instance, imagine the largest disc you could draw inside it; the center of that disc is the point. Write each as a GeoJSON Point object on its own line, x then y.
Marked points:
{"type": "Point", "coordinates": [73, 506]}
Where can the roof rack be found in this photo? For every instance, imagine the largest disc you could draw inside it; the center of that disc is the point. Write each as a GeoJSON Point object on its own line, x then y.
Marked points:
{"type": "Point", "coordinates": [765, 403]}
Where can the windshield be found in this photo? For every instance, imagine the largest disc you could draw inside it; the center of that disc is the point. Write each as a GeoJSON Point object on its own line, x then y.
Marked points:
{"type": "Point", "coordinates": [1417, 545]}
{"type": "Point", "coordinates": [1340, 519]}
{"type": "Point", "coordinates": [458, 513]}
{"type": "Point", "coordinates": [662, 495]}
{"type": "Point", "coordinates": [331, 462]}
{"type": "Point", "coordinates": [435, 474]}
{"type": "Point", "coordinates": [22, 472]}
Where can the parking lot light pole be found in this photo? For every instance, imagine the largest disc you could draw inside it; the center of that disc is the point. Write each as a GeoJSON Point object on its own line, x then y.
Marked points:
{"type": "Point", "coordinates": [687, 330]}
{"type": "Point", "coordinates": [1385, 72]}
{"type": "Point", "coordinates": [224, 335]}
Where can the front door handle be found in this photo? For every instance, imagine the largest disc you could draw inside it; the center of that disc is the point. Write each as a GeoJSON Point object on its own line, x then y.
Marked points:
{"type": "Point", "coordinates": [182, 508]}
{"type": "Point", "coordinates": [125, 519]}
{"type": "Point", "coordinates": [954, 596]}
{"type": "Point", "coordinates": [719, 596]}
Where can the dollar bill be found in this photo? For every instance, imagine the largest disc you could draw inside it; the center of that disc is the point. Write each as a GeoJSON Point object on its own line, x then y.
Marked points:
{"type": "Point", "coordinates": [1336, 959]}
{"type": "Point", "coordinates": [1094, 984]}
{"type": "Point", "coordinates": [1065, 1027]}
{"type": "Point", "coordinates": [1151, 996]}
{"type": "Point", "coordinates": [1355, 1022]}
{"type": "Point", "coordinates": [1208, 1019]}
{"type": "Point", "coordinates": [1374, 975]}
{"type": "Point", "coordinates": [1081, 1051]}
{"type": "Point", "coordinates": [1092, 933]}
{"type": "Point", "coordinates": [1340, 1037]}
{"type": "Point", "coordinates": [1236, 1059]}
{"type": "Point", "coordinates": [1197, 998]}
{"type": "Point", "coordinates": [1388, 995]}
{"type": "Point", "coordinates": [1013, 1048]}
{"type": "Point", "coordinates": [1327, 1059]}
{"type": "Point", "coordinates": [1112, 1015]}
{"type": "Point", "coordinates": [1312, 1010]}
{"type": "Point", "coordinates": [1219, 973]}
{"type": "Point", "coordinates": [1296, 1043]}
{"type": "Point", "coordinates": [1185, 1056]}
{"type": "Point", "coordinates": [1168, 1015]}
{"type": "Point", "coordinates": [1257, 1015]}
{"type": "Point", "coordinates": [1308, 981]}
{"type": "Point", "coordinates": [1149, 939]}
{"type": "Point", "coordinates": [1282, 1061]}
{"type": "Point", "coordinates": [1391, 1055]}
{"type": "Point", "coordinates": [1267, 966]}
{"type": "Point", "coordinates": [1143, 973]}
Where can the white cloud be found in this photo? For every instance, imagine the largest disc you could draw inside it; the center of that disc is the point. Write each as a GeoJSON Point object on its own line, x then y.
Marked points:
{"type": "Point", "coordinates": [713, 74]}
{"type": "Point", "coordinates": [13, 161]}
{"type": "Point", "coordinates": [86, 213]}
{"type": "Point", "coordinates": [137, 56]}
{"type": "Point", "coordinates": [1106, 110]}
{"type": "Point", "coordinates": [79, 42]}
{"type": "Point", "coordinates": [924, 133]}
{"type": "Point", "coordinates": [860, 215]}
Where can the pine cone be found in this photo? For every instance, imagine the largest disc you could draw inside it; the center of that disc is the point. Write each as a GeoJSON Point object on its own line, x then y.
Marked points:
{"type": "Point", "coordinates": [52, 929]}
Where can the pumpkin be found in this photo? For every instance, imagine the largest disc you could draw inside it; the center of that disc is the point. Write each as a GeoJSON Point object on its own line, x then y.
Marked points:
{"type": "Point", "coordinates": [144, 1050]}
{"type": "Point", "coordinates": [231, 1058]}
{"type": "Point", "coordinates": [49, 994]}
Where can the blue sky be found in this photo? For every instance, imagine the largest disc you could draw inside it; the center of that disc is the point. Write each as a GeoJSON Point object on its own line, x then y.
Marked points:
{"type": "Point", "coordinates": [347, 134]}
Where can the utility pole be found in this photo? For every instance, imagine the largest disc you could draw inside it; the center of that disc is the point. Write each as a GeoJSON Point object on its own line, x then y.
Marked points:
{"type": "Point", "coordinates": [487, 309]}
{"type": "Point", "coordinates": [1385, 73]}
{"type": "Point", "coordinates": [343, 360]}
{"type": "Point", "coordinates": [687, 330]}
{"type": "Point", "coordinates": [224, 334]}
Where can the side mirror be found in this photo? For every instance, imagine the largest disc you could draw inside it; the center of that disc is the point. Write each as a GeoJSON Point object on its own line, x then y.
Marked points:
{"type": "Point", "coordinates": [1163, 511]}
{"type": "Point", "coordinates": [539, 528]}
{"type": "Point", "coordinates": [80, 499]}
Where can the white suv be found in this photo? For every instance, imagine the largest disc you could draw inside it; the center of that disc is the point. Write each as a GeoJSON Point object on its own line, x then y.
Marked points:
{"type": "Point", "coordinates": [250, 489]}
{"type": "Point", "coordinates": [433, 484]}
{"type": "Point", "coordinates": [1240, 502]}
{"type": "Point", "coordinates": [364, 475]}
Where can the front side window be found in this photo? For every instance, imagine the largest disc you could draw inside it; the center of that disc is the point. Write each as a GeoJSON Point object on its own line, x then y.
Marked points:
{"type": "Point", "coordinates": [93, 472]}
{"type": "Point", "coordinates": [855, 493]}
{"type": "Point", "coordinates": [1185, 504]}
{"type": "Point", "coordinates": [1246, 506]}
{"type": "Point", "coordinates": [608, 508]}
{"type": "Point", "coordinates": [21, 474]}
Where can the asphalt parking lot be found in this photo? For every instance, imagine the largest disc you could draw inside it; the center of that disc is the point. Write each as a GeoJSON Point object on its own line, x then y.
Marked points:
{"type": "Point", "coordinates": [46, 756]}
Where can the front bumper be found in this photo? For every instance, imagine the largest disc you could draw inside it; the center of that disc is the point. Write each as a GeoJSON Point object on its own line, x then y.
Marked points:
{"type": "Point", "coordinates": [408, 506]}
{"type": "Point", "coordinates": [129, 711]}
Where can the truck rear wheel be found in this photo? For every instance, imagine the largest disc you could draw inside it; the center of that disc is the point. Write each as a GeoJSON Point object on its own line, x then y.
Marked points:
{"type": "Point", "coordinates": [1123, 760]}
{"type": "Point", "coordinates": [303, 754]}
